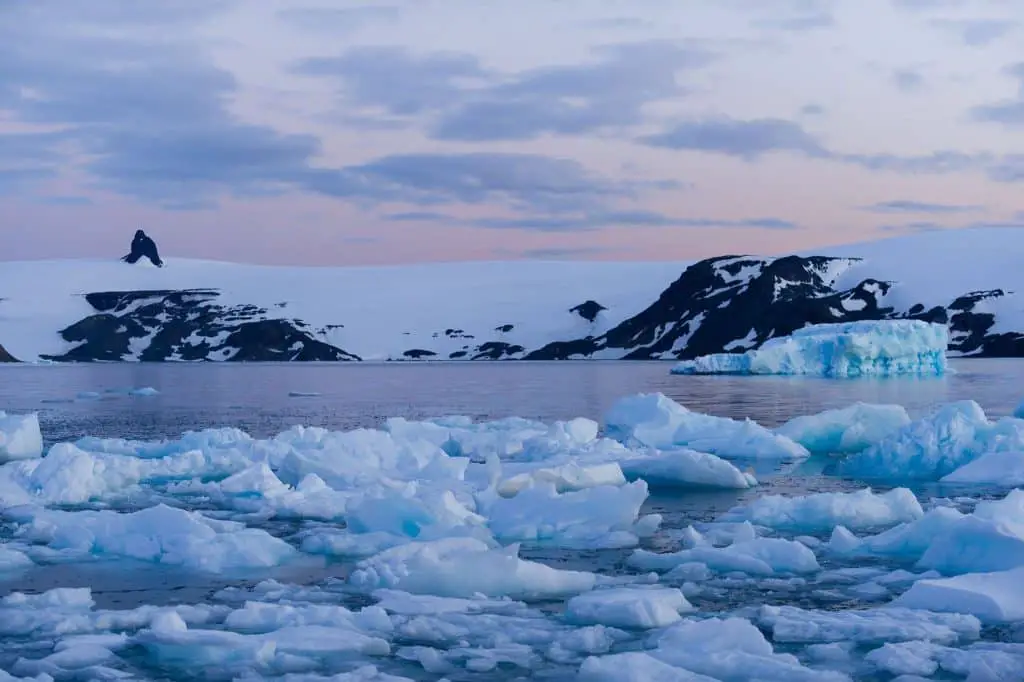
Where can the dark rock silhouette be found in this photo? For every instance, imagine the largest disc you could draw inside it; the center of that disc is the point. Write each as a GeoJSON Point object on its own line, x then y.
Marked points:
{"type": "Point", "coordinates": [188, 325]}
{"type": "Point", "coordinates": [588, 310]}
{"type": "Point", "coordinates": [5, 356]}
{"type": "Point", "coordinates": [143, 245]}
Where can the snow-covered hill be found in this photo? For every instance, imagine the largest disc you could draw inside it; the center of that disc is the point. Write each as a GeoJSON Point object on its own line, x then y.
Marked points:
{"type": "Point", "coordinates": [202, 310]}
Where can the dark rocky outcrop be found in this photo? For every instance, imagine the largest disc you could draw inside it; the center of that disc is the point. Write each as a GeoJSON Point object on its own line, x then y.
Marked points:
{"type": "Point", "coordinates": [418, 353]}
{"type": "Point", "coordinates": [143, 246]}
{"type": "Point", "coordinates": [5, 356]}
{"type": "Point", "coordinates": [188, 325]}
{"type": "Point", "coordinates": [735, 303]}
{"type": "Point", "coordinates": [588, 310]}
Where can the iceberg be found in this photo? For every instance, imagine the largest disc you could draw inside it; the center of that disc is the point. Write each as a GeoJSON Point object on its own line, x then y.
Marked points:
{"type": "Point", "coordinates": [853, 349]}
{"type": "Point", "coordinates": [20, 437]}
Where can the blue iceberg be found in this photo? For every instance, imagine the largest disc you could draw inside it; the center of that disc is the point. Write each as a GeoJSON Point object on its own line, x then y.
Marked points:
{"type": "Point", "coordinates": [878, 348]}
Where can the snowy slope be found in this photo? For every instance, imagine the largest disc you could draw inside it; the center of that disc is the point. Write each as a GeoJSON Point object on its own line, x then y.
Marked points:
{"type": "Point", "coordinates": [519, 309]}
{"type": "Point", "coordinates": [385, 311]}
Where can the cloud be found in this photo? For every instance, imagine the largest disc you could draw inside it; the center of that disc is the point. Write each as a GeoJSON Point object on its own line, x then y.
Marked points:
{"type": "Point", "coordinates": [751, 139]}
{"type": "Point", "coordinates": [926, 5]}
{"type": "Point", "coordinates": [601, 220]}
{"type": "Point", "coordinates": [65, 200]}
{"type": "Point", "coordinates": [394, 80]}
{"type": "Point", "coordinates": [748, 139]}
{"type": "Point", "coordinates": [809, 20]}
{"type": "Point", "coordinates": [558, 253]}
{"type": "Point", "coordinates": [148, 118]}
{"type": "Point", "coordinates": [457, 99]}
{"type": "Point", "coordinates": [337, 20]}
{"type": "Point", "coordinates": [908, 80]}
{"type": "Point", "coordinates": [976, 32]}
{"type": "Point", "coordinates": [1007, 112]}
{"type": "Point", "coordinates": [1009, 168]}
{"type": "Point", "coordinates": [917, 226]}
{"type": "Point", "coordinates": [812, 110]}
{"type": "Point", "coordinates": [910, 206]}
{"type": "Point", "coordinates": [524, 182]}
{"type": "Point", "coordinates": [420, 217]}
{"type": "Point", "coordinates": [572, 100]}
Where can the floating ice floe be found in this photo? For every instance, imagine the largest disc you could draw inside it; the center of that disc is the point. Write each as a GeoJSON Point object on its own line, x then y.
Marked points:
{"type": "Point", "coordinates": [464, 567]}
{"type": "Point", "coordinates": [745, 554]}
{"type": "Point", "coordinates": [935, 446]}
{"type": "Point", "coordinates": [991, 597]}
{"type": "Point", "coordinates": [158, 534]}
{"type": "Point", "coordinates": [991, 538]}
{"type": "Point", "coordinates": [654, 420]}
{"type": "Point", "coordinates": [628, 607]}
{"type": "Point", "coordinates": [821, 512]}
{"type": "Point", "coordinates": [851, 349]}
{"type": "Point", "coordinates": [20, 437]}
{"type": "Point", "coordinates": [703, 651]}
{"type": "Point", "coordinates": [846, 430]}
{"type": "Point", "coordinates": [1002, 469]}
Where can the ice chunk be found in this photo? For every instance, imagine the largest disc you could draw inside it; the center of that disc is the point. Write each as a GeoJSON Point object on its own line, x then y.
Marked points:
{"type": "Point", "coordinates": [20, 437]}
{"type": "Point", "coordinates": [654, 420]}
{"type": "Point", "coordinates": [144, 391]}
{"type": "Point", "coordinates": [866, 626]}
{"type": "Point", "coordinates": [761, 556]}
{"type": "Point", "coordinates": [595, 517]}
{"type": "Point", "coordinates": [13, 560]}
{"type": "Point", "coordinates": [627, 607]}
{"type": "Point", "coordinates": [937, 445]}
{"type": "Point", "coordinates": [635, 666]}
{"type": "Point", "coordinates": [160, 534]}
{"type": "Point", "coordinates": [989, 539]}
{"type": "Point", "coordinates": [687, 468]}
{"type": "Point", "coordinates": [464, 567]}
{"type": "Point", "coordinates": [730, 649]}
{"type": "Point", "coordinates": [413, 510]}
{"type": "Point", "coordinates": [566, 477]}
{"type": "Point", "coordinates": [1004, 469]}
{"type": "Point", "coordinates": [821, 512]}
{"type": "Point", "coordinates": [992, 597]}
{"type": "Point", "coordinates": [905, 658]}
{"type": "Point", "coordinates": [846, 430]}
{"type": "Point", "coordinates": [849, 349]}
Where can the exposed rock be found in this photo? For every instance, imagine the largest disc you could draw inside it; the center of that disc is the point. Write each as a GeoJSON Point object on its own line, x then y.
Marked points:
{"type": "Point", "coordinates": [5, 356]}
{"type": "Point", "coordinates": [588, 310]}
{"type": "Point", "coordinates": [417, 353]}
{"type": "Point", "coordinates": [497, 350]}
{"type": "Point", "coordinates": [143, 247]}
{"type": "Point", "coordinates": [188, 325]}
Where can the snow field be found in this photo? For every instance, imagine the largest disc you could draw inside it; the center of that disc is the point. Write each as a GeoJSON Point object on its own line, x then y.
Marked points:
{"type": "Point", "coordinates": [451, 531]}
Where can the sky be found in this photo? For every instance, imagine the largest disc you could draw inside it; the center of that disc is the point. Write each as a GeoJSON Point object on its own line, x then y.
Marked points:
{"type": "Point", "coordinates": [349, 132]}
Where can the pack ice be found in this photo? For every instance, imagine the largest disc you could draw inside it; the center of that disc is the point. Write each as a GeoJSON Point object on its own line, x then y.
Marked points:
{"type": "Point", "coordinates": [853, 349]}
{"type": "Point", "coordinates": [460, 549]}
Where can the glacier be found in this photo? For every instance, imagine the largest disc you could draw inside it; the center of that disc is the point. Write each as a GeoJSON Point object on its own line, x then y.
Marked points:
{"type": "Point", "coordinates": [855, 349]}
{"type": "Point", "coordinates": [468, 549]}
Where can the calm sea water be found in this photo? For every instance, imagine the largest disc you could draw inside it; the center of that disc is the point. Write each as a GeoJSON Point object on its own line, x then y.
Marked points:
{"type": "Point", "coordinates": [257, 398]}
{"type": "Point", "coordinates": [75, 401]}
